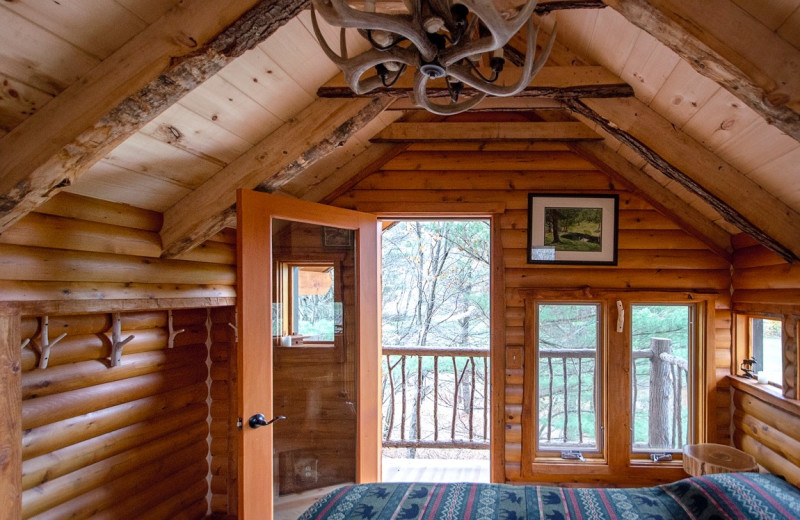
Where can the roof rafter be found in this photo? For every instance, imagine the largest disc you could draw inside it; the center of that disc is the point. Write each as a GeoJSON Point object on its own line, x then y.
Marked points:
{"type": "Point", "coordinates": [762, 70]}
{"type": "Point", "coordinates": [277, 159]}
{"type": "Point", "coordinates": [675, 154]}
{"type": "Point", "coordinates": [189, 44]}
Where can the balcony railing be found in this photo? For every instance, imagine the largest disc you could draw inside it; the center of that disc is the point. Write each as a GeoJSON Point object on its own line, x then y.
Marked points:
{"type": "Point", "coordinates": [439, 397]}
{"type": "Point", "coordinates": [435, 397]}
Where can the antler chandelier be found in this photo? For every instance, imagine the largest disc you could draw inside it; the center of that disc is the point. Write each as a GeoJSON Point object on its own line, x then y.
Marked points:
{"type": "Point", "coordinates": [440, 38]}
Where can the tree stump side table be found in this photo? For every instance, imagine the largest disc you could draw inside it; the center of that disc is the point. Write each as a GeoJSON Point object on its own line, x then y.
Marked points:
{"type": "Point", "coordinates": [708, 458]}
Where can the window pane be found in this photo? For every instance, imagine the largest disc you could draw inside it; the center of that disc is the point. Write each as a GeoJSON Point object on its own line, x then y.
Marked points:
{"type": "Point", "coordinates": [314, 310]}
{"type": "Point", "coordinates": [567, 351]}
{"type": "Point", "coordinates": [661, 397]}
{"type": "Point", "coordinates": [767, 348]}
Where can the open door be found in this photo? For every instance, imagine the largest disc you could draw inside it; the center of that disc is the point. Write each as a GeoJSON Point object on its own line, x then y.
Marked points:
{"type": "Point", "coordinates": [269, 329]}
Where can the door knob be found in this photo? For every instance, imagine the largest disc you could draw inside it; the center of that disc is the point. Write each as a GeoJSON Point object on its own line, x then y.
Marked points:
{"type": "Point", "coordinates": [258, 420]}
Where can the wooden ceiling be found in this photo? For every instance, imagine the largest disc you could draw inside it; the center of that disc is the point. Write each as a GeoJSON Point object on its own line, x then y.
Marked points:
{"type": "Point", "coordinates": [160, 104]}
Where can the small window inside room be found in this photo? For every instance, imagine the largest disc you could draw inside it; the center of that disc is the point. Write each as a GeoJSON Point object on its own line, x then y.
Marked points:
{"type": "Point", "coordinates": [766, 348]}
{"type": "Point", "coordinates": [308, 313]}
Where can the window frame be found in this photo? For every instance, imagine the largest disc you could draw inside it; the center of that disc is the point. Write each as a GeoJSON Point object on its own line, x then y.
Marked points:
{"type": "Point", "coordinates": [790, 348]}
{"type": "Point", "coordinates": [597, 453]}
{"type": "Point", "coordinates": [283, 293]}
{"type": "Point", "coordinates": [617, 453]}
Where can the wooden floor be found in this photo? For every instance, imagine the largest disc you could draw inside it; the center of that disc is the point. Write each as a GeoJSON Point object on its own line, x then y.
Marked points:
{"type": "Point", "coordinates": [289, 507]}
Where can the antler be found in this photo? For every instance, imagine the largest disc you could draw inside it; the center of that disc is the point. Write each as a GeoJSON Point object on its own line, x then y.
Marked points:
{"type": "Point", "coordinates": [464, 73]}
{"type": "Point", "coordinates": [354, 68]}
{"type": "Point", "coordinates": [337, 12]}
{"type": "Point", "coordinates": [501, 30]}
{"type": "Point", "coordinates": [420, 98]}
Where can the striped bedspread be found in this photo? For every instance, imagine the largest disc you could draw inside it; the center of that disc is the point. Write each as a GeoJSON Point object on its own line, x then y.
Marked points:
{"type": "Point", "coordinates": [721, 496]}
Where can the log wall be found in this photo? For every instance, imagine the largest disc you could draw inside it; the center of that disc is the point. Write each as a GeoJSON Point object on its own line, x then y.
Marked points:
{"type": "Point", "coordinates": [654, 253]}
{"type": "Point", "coordinates": [125, 441]}
{"type": "Point", "coordinates": [129, 441]}
{"type": "Point", "coordinates": [766, 420]}
{"type": "Point", "coordinates": [767, 427]}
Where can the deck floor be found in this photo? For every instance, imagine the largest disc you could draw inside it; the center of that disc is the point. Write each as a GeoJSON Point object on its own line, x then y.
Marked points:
{"type": "Point", "coordinates": [289, 507]}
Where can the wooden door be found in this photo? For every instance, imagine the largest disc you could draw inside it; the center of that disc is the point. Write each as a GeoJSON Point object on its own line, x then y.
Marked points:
{"type": "Point", "coordinates": [256, 213]}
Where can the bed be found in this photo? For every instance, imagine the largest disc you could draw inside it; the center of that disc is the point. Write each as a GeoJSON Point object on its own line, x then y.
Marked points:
{"type": "Point", "coordinates": [720, 496]}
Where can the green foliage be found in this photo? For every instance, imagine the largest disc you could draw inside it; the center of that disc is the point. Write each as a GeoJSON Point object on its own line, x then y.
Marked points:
{"type": "Point", "coordinates": [436, 283]}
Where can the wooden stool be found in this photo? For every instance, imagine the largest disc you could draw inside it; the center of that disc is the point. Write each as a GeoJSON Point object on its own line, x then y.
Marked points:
{"type": "Point", "coordinates": [705, 459]}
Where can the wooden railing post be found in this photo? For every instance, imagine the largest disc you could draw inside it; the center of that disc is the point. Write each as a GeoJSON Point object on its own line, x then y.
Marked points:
{"type": "Point", "coordinates": [660, 390]}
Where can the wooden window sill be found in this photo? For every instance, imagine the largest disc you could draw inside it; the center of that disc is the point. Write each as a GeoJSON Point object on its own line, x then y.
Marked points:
{"type": "Point", "coordinates": [766, 393]}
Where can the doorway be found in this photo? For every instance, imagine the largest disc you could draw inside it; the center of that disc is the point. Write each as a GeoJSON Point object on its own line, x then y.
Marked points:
{"type": "Point", "coordinates": [436, 350]}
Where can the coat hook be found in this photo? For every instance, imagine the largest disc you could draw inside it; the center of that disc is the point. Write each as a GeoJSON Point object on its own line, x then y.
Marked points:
{"type": "Point", "coordinates": [25, 343]}
{"type": "Point", "coordinates": [116, 340]}
{"type": "Point", "coordinates": [45, 344]}
{"type": "Point", "coordinates": [172, 331]}
{"type": "Point", "coordinates": [235, 332]}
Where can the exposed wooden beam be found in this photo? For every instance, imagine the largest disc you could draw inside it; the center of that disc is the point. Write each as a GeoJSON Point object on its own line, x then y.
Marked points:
{"type": "Point", "coordinates": [486, 131]}
{"type": "Point", "coordinates": [550, 82]}
{"type": "Point", "coordinates": [738, 199]}
{"type": "Point", "coordinates": [189, 44]}
{"type": "Point", "coordinates": [725, 43]}
{"type": "Point", "coordinates": [281, 156]}
{"type": "Point", "coordinates": [691, 220]}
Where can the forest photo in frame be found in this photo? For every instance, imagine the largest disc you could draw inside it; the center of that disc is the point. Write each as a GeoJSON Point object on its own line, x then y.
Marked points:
{"type": "Point", "coordinates": [572, 229]}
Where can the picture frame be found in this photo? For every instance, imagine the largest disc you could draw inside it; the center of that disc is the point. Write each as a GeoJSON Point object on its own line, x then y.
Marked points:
{"type": "Point", "coordinates": [586, 229]}
{"type": "Point", "coordinates": [337, 237]}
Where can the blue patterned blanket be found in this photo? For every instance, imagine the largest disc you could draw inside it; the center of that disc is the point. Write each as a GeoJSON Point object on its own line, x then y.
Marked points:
{"type": "Point", "coordinates": [722, 496]}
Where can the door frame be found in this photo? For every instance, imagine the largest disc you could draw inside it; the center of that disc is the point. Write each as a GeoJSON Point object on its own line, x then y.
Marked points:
{"type": "Point", "coordinates": [255, 213]}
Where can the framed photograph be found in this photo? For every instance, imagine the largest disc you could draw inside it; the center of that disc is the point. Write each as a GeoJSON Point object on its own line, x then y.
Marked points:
{"type": "Point", "coordinates": [572, 229]}
{"type": "Point", "coordinates": [337, 237]}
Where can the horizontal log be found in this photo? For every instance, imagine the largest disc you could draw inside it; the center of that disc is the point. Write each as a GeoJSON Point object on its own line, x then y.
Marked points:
{"type": "Point", "coordinates": [39, 383]}
{"type": "Point", "coordinates": [490, 161]}
{"type": "Point", "coordinates": [43, 264]}
{"type": "Point", "coordinates": [628, 239]}
{"type": "Point", "coordinates": [70, 458]}
{"type": "Point", "coordinates": [755, 256]}
{"type": "Point", "coordinates": [185, 464]}
{"type": "Point", "coordinates": [783, 420]}
{"type": "Point", "coordinates": [400, 350]}
{"type": "Point", "coordinates": [552, 81]}
{"type": "Point", "coordinates": [785, 276]}
{"type": "Point", "coordinates": [618, 278]}
{"type": "Point", "coordinates": [75, 349]}
{"type": "Point", "coordinates": [39, 298]}
{"type": "Point", "coordinates": [57, 435]}
{"type": "Point", "coordinates": [778, 441]}
{"type": "Point", "coordinates": [211, 252]}
{"type": "Point", "coordinates": [188, 503]}
{"type": "Point", "coordinates": [474, 179]}
{"type": "Point", "coordinates": [94, 323]}
{"type": "Point", "coordinates": [767, 458]}
{"type": "Point", "coordinates": [79, 207]}
{"type": "Point", "coordinates": [53, 232]}
{"type": "Point", "coordinates": [766, 296]}
{"type": "Point", "coordinates": [58, 490]}
{"type": "Point", "coordinates": [52, 408]}
{"type": "Point", "coordinates": [485, 131]}
{"type": "Point", "coordinates": [492, 146]}
{"type": "Point", "coordinates": [642, 259]}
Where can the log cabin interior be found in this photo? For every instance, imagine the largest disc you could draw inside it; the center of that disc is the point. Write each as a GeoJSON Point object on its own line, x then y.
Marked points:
{"type": "Point", "coordinates": [127, 127]}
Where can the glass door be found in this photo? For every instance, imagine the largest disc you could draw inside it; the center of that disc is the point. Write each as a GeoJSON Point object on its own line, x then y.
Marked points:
{"type": "Point", "coordinates": [308, 348]}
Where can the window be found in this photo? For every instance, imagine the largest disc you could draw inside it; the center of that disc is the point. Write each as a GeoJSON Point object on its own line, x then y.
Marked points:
{"type": "Point", "coordinates": [308, 311]}
{"type": "Point", "coordinates": [662, 340]}
{"type": "Point", "coordinates": [619, 381]}
{"type": "Point", "coordinates": [568, 350]}
{"type": "Point", "coordinates": [763, 344]}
